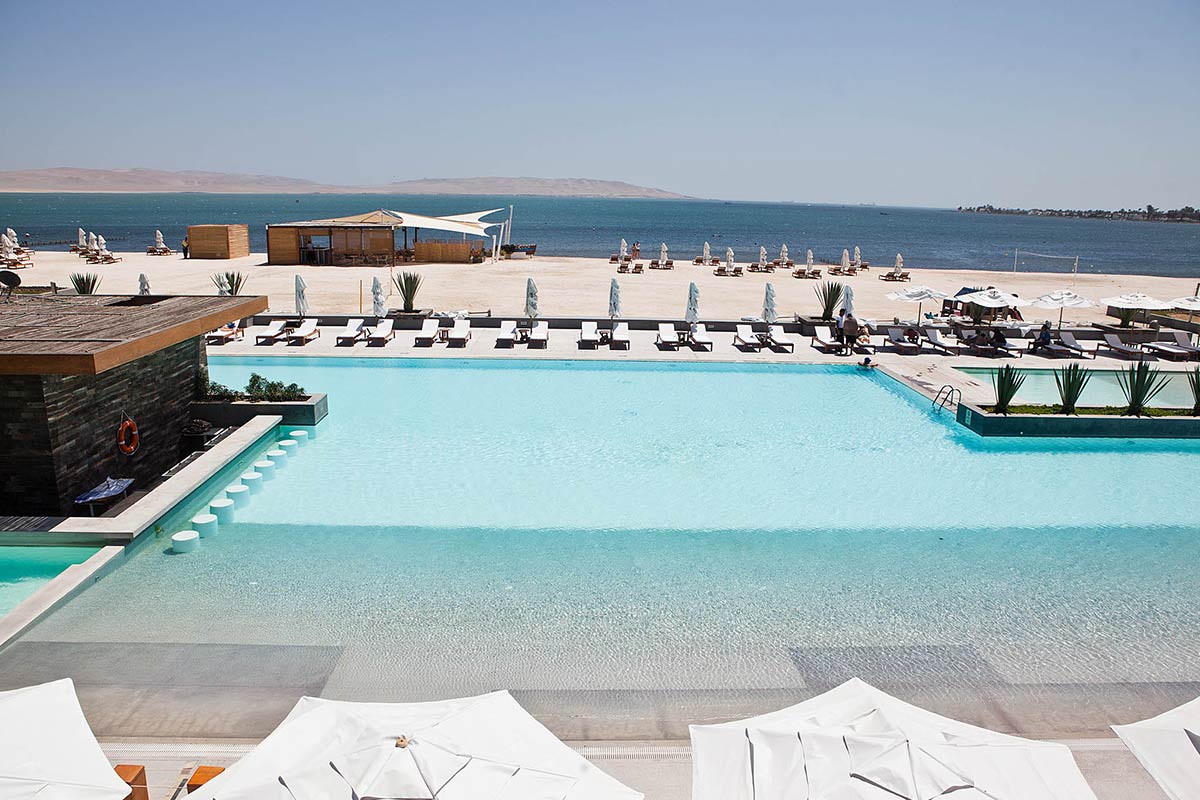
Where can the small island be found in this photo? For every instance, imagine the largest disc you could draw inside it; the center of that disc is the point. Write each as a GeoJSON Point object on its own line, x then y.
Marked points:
{"type": "Point", "coordinates": [1147, 214]}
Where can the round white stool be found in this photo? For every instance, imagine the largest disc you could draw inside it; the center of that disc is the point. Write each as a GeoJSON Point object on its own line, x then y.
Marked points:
{"type": "Point", "coordinates": [266, 468]}
{"type": "Point", "coordinates": [299, 437]}
{"type": "Point", "coordinates": [253, 481]}
{"type": "Point", "coordinates": [185, 541]}
{"type": "Point", "coordinates": [279, 457]}
{"type": "Point", "coordinates": [222, 509]}
{"type": "Point", "coordinates": [288, 446]}
{"type": "Point", "coordinates": [205, 524]}
{"type": "Point", "coordinates": [239, 494]}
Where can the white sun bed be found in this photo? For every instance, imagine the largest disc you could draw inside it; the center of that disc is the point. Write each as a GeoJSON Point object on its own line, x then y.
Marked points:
{"type": "Point", "coordinates": [934, 337]}
{"type": "Point", "coordinates": [224, 334]}
{"type": "Point", "coordinates": [508, 333]}
{"type": "Point", "coordinates": [744, 335]}
{"type": "Point", "coordinates": [620, 335]}
{"type": "Point", "coordinates": [777, 338]}
{"type": "Point", "coordinates": [1068, 341]}
{"type": "Point", "coordinates": [823, 340]}
{"type": "Point", "coordinates": [900, 344]}
{"type": "Point", "coordinates": [272, 334]}
{"type": "Point", "coordinates": [429, 331]}
{"type": "Point", "coordinates": [700, 337]}
{"type": "Point", "coordinates": [352, 332]}
{"type": "Point", "coordinates": [381, 333]}
{"type": "Point", "coordinates": [540, 334]}
{"type": "Point", "coordinates": [307, 331]}
{"type": "Point", "coordinates": [1114, 343]}
{"type": "Point", "coordinates": [461, 332]}
{"type": "Point", "coordinates": [667, 335]}
{"type": "Point", "coordinates": [588, 335]}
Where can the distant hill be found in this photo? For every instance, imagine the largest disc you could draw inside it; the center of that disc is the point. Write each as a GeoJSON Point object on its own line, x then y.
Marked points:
{"type": "Point", "coordinates": [71, 179]}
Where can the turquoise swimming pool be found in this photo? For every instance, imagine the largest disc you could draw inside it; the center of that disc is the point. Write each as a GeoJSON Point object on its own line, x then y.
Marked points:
{"type": "Point", "coordinates": [1103, 388]}
{"type": "Point", "coordinates": [682, 536]}
{"type": "Point", "coordinates": [24, 570]}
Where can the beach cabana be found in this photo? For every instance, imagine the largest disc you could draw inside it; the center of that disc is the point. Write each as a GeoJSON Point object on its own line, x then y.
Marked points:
{"type": "Point", "coordinates": [485, 746]}
{"type": "Point", "coordinates": [48, 750]}
{"type": "Point", "coordinates": [371, 239]}
{"type": "Point", "coordinates": [1168, 746]}
{"type": "Point", "coordinates": [857, 741]}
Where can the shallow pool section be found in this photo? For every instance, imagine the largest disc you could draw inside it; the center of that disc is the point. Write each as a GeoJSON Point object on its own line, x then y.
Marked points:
{"type": "Point", "coordinates": [630, 547]}
{"type": "Point", "coordinates": [24, 570]}
{"type": "Point", "coordinates": [1103, 388]}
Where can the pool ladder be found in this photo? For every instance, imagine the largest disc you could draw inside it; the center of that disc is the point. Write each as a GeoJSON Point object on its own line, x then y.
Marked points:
{"type": "Point", "coordinates": [946, 396]}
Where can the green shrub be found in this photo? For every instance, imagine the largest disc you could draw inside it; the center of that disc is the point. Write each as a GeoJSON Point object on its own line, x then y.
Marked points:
{"type": "Point", "coordinates": [219, 391]}
{"type": "Point", "coordinates": [1141, 383]}
{"type": "Point", "coordinates": [1008, 382]}
{"type": "Point", "coordinates": [1071, 381]}
{"type": "Point", "coordinates": [258, 389]}
{"type": "Point", "coordinates": [407, 284]}
{"type": "Point", "coordinates": [829, 294]}
{"type": "Point", "coordinates": [85, 282]}
{"type": "Point", "coordinates": [1193, 378]}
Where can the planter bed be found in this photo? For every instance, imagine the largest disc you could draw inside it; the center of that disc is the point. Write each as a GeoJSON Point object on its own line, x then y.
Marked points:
{"type": "Point", "coordinates": [223, 413]}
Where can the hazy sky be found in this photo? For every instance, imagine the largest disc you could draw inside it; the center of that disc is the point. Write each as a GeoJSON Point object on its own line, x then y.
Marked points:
{"type": "Point", "coordinates": [1047, 103]}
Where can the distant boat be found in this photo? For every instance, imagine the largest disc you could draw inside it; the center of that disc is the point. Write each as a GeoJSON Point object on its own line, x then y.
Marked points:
{"type": "Point", "coordinates": [527, 249]}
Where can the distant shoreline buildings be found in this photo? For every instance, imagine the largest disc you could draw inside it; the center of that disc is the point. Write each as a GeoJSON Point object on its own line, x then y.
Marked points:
{"type": "Point", "coordinates": [1147, 214]}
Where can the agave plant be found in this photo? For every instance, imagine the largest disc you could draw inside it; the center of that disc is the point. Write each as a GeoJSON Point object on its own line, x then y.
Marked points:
{"type": "Point", "coordinates": [1140, 383]}
{"type": "Point", "coordinates": [1007, 381]}
{"type": "Point", "coordinates": [232, 282]}
{"type": "Point", "coordinates": [829, 294]}
{"type": "Point", "coordinates": [1071, 380]}
{"type": "Point", "coordinates": [85, 282]}
{"type": "Point", "coordinates": [1127, 316]}
{"type": "Point", "coordinates": [1193, 379]}
{"type": "Point", "coordinates": [407, 284]}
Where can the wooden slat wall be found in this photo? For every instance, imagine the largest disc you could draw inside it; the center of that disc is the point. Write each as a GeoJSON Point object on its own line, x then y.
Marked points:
{"type": "Point", "coordinates": [219, 241]}
{"type": "Point", "coordinates": [283, 245]}
{"type": "Point", "coordinates": [445, 252]}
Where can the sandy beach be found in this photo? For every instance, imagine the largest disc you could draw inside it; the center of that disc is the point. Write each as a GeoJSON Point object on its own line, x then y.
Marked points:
{"type": "Point", "coordinates": [580, 286]}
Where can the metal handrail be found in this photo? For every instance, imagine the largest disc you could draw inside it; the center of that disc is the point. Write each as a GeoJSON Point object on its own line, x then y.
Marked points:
{"type": "Point", "coordinates": [947, 395]}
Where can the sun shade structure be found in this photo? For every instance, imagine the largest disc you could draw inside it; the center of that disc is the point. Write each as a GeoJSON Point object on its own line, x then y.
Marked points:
{"type": "Point", "coordinates": [916, 294]}
{"type": "Point", "coordinates": [1186, 303]}
{"type": "Point", "coordinates": [856, 742]}
{"type": "Point", "coordinates": [1062, 300]}
{"type": "Point", "coordinates": [47, 749]}
{"type": "Point", "coordinates": [474, 747]}
{"type": "Point", "coordinates": [1138, 301]}
{"type": "Point", "coordinates": [1168, 746]}
{"type": "Point", "coordinates": [992, 298]}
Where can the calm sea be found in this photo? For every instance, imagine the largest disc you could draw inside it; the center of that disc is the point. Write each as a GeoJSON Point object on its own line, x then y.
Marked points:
{"type": "Point", "coordinates": [594, 227]}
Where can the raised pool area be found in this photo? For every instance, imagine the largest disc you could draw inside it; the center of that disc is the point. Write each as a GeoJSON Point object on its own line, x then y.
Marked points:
{"type": "Point", "coordinates": [24, 570]}
{"type": "Point", "coordinates": [1103, 388]}
{"type": "Point", "coordinates": [630, 547]}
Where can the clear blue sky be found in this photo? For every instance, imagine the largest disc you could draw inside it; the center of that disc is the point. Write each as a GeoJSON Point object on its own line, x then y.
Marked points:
{"type": "Point", "coordinates": [1063, 104]}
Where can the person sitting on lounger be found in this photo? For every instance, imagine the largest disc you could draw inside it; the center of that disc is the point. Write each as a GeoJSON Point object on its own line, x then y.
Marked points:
{"type": "Point", "coordinates": [912, 335]}
{"type": "Point", "coordinates": [997, 338]}
{"type": "Point", "coordinates": [1044, 339]}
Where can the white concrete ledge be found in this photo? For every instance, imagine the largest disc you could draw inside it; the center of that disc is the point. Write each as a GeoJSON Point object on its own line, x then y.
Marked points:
{"type": "Point", "coordinates": [57, 591]}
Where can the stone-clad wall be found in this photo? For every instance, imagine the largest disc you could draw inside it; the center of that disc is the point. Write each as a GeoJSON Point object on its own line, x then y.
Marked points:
{"type": "Point", "coordinates": [81, 414]}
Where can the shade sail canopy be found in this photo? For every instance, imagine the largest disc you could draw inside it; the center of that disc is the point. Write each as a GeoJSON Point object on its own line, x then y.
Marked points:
{"type": "Point", "coordinates": [993, 298]}
{"type": "Point", "coordinates": [1137, 301]}
{"type": "Point", "coordinates": [469, 224]}
{"type": "Point", "coordinates": [473, 747]}
{"type": "Point", "coordinates": [47, 750]}
{"type": "Point", "coordinates": [1168, 746]}
{"type": "Point", "coordinates": [857, 742]}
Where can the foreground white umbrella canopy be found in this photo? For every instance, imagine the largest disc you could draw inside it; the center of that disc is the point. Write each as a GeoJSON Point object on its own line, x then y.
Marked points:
{"type": "Point", "coordinates": [707, 252]}
{"type": "Point", "coordinates": [474, 747]}
{"type": "Point", "coordinates": [301, 297]}
{"type": "Point", "coordinates": [531, 299]}
{"type": "Point", "coordinates": [692, 314]}
{"type": "Point", "coordinates": [858, 743]}
{"type": "Point", "coordinates": [1136, 300]}
{"type": "Point", "coordinates": [1168, 746]}
{"type": "Point", "coordinates": [143, 284]}
{"type": "Point", "coordinates": [1186, 303]}
{"type": "Point", "coordinates": [378, 300]}
{"type": "Point", "coordinates": [993, 298]}
{"type": "Point", "coordinates": [769, 313]}
{"type": "Point", "coordinates": [614, 299]}
{"type": "Point", "coordinates": [47, 750]}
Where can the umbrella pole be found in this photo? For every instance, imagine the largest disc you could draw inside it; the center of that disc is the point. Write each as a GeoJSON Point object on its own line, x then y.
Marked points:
{"type": "Point", "coordinates": [1060, 315]}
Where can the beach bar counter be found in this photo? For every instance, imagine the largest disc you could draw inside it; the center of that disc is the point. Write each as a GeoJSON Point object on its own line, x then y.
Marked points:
{"type": "Point", "coordinates": [371, 239]}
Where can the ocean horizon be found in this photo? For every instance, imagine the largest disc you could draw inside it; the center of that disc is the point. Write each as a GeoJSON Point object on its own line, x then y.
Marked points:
{"type": "Point", "coordinates": [593, 227]}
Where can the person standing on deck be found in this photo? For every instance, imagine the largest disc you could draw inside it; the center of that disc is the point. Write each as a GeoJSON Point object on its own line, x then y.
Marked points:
{"type": "Point", "coordinates": [841, 322]}
{"type": "Point", "coordinates": [849, 332]}
{"type": "Point", "coordinates": [184, 246]}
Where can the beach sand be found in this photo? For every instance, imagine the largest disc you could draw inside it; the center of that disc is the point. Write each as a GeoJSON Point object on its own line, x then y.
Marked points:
{"type": "Point", "coordinates": [580, 286]}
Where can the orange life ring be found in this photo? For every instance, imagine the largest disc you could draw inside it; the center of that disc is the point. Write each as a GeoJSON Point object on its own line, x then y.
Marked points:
{"type": "Point", "coordinates": [127, 437]}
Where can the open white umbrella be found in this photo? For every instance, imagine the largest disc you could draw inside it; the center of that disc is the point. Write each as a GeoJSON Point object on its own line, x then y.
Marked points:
{"type": "Point", "coordinates": [692, 314]}
{"type": "Point", "coordinates": [82, 243]}
{"type": "Point", "coordinates": [91, 242]}
{"type": "Point", "coordinates": [471, 747]}
{"type": "Point", "coordinates": [918, 295]}
{"type": "Point", "coordinates": [1188, 304]}
{"type": "Point", "coordinates": [707, 253]}
{"type": "Point", "coordinates": [848, 298]}
{"type": "Point", "coordinates": [993, 298]}
{"type": "Point", "coordinates": [624, 249]}
{"type": "Point", "coordinates": [531, 299]}
{"type": "Point", "coordinates": [845, 259]}
{"type": "Point", "coordinates": [143, 284]}
{"type": "Point", "coordinates": [662, 253]}
{"type": "Point", "coordinates": [1136, 301]}
{"type": "Point", "coordinates": [808, 259]}
{"type": "Point", "coordinates": [158, 240]}
{"type": "Point", "coordinates": [857, 255]}
{"type": "Point", "coordinates": [301, 296]}
{"type": "Point", "coordinates": [769, 312]}
{"type": "Point", "coordinates": [1061, 299]}
{"type": "Point", "coordinates": [762, 257]}
{"type": "Point", "coordinates": [729, 257]}
{"type": "Point", "coordinates": [614, 299]}
{"type": "Point", "coordinates": [47, 749]}
{"type": "Point", "coordinates": [856, 741]}
{"type": "Point", "coordinates": [783, 255]}
{"type": "Point", "coordinates": [378, 299]}
{"type": "Point", "coordinates": [1168, 746]}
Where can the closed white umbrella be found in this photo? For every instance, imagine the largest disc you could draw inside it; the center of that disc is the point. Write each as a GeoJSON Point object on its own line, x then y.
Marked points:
{"type": "Point", "coordinates": [808, 259]}
{"type": "Point", "coordinates": [783, 255]}
{"type": "Point", "coordinates": [614, 299]}
{"type": "Point", "coordinates": [47, 749]}
{"type": "Point", "coordinates": [143, 284]}
{"type": "Point", "coordinates": [845, 259]}
{"type": "Point", "coordinates": [624, 249]}
{"type": "Point", "coordinates": [158, 240]}
{"type": "Point", "coordinates": [103, 245]}
{"type": "Point", "coordinates": [301, 296]}
{"type": "Point", "coordinates": [857, 255]}
{"type": "Point", "coordinates": [662, 253]}
{"type": "Point", "coordinates": [899, 262]}
{"type": "Point", "coordinates": [707, 253]}
{"type": "Point", "coordinates": [82, 243]}
{"type": "Point", "coordinates": [91, 242]}
{"type": "Point", "coordinates": [768, 312]}
{"type": "Point", "coordinates": [378, 299]}
{"type": "Point", "coordinates": [762, 256]}
{"type": "Point", "coordinates": [848, 298]}
{"type": "Point", "coordinates": [692, 314]}
{"type": "Point", "coordinates": [729, 257]}
{"type": "Point", "coordinates": [918, 295]}
{"type": "Point", "coordinates": [12, 235]}
{"type": "Point", "coordinates": [531, 299]}
{"type": "Point", "coordinates": [1061, 299]}
{"type": "Point", "coordinates": [472, 747]}
{"type": "Point", "coordinates": [993, 298]}
{"type": "Point", "coordinates": [1168, 746]}
{"type": "Point", "coordinates": [6, 247]}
